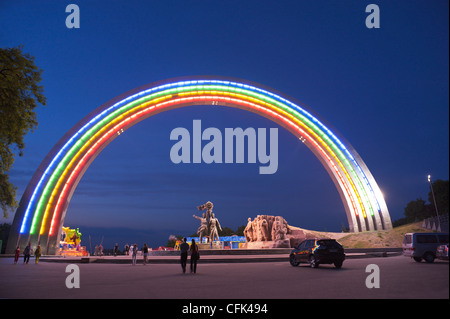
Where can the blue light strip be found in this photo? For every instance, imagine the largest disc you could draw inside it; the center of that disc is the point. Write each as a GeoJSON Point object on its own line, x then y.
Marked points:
{"type": "Point", "coordinates": [324, 128]}
{"type": "Point", "coordinates": [117, 105]}
{"type": "Point", "coordinates": [71, 142]}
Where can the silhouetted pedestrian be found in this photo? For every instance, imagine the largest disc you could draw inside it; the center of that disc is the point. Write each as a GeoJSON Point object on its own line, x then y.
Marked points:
{"type": "Point", "coordinates": [194, 256]}
{"type": "Point", "coordinates": [134, 255]}
{"type": "Point", "coordinates": [37, 253]}
{"type": "Point", "coordinates": [145, 253]}
{"type": "Point", "coordinates": [184, 248]}
{"type": "Point", "coordinates": [26, 254]}
{"type": "Point", "coordinates": [16, 256]}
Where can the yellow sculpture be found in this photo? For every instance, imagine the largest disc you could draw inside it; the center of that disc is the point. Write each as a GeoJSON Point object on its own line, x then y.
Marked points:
{"type": "Point", "coordinates": [71, 236]}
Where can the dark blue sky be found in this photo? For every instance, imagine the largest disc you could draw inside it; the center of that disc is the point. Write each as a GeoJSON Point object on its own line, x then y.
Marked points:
{"type": "Point", "coordinates": [385, 90]}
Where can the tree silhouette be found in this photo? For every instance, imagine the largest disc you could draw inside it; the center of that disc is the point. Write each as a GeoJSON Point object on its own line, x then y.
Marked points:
{"type": "Point", "coordinates": [20, 93]}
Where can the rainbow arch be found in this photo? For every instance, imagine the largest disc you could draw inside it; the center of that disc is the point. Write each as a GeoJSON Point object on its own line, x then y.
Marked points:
{"type": "Point", "coordinates": [44, 204]}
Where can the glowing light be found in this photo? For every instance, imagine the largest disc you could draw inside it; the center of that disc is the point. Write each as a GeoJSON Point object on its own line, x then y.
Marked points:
{"type": "Point", "coordinates": [145, 112]}
{"type": "Point", "coordinates": [50, 194]}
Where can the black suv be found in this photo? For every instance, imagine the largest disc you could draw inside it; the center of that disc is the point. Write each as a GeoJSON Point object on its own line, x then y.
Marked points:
{"type": "Point", "coordinates": [318, 251]}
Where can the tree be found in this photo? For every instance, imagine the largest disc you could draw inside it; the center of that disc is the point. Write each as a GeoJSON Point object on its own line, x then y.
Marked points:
{"type": "Point", "coordinates": [226, 231]}
{"type": "Point", "coordinates": [20, 94]}
{"type": "Point", "coordinates": [416, 210]}
{"type": "Point", "coordinates": [240, 230]}
{"type": "Point", "coordinates": [441, 193]}
{"type": "Point", "coordinates": [4, 234]}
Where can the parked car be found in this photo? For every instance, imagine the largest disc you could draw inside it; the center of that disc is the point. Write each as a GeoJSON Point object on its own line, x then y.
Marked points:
{"type": "Point", "coordinates": [442, 252]}
{"type": "Point", "coordinates": [318, 251]}
{"type": "Point", "coordinates": [423, 245]}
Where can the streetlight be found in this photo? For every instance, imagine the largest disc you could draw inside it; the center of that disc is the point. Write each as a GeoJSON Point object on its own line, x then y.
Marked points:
{"type": "Point", "coordinates": [434, 199]}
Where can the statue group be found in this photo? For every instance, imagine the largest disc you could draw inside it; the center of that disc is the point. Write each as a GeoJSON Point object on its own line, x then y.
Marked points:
{"type": "Point", "coordinates": [265, 231]}
{"type": "Point", "coordinates": [209, 224]}
{"type": "Point", "coordinates": [266, 228]}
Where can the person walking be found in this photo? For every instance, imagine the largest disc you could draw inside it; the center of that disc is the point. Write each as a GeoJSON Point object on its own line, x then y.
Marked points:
{"type": "Point", "coordinates": [26, 254]}
{"type": "Point", "coordinates": [145, 252]}
{"type": "Point", "coordinates": [116, 250]}
{"type": "Point", "coordinates": [37, 253]}
{"type": "Point", "coordinates": [184, 248]}
{"type": "Point", "coordinates": [194, 256]}
{"type": "Point", "coordinates": [134, 255]}
{"type": "Point", "coordinates": [16, 256]}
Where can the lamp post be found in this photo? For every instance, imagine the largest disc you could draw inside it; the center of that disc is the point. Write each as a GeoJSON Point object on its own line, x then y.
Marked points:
{"type": "Point", "coordinates": [434, 200]}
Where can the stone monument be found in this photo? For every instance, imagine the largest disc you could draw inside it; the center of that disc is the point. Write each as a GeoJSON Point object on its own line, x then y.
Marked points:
{"type": "Point", "coordinates": [267, 231]}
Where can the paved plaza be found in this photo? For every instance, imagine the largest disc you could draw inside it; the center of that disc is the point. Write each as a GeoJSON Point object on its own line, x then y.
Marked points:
{"type": "Point", "coordinates": [400, 277]}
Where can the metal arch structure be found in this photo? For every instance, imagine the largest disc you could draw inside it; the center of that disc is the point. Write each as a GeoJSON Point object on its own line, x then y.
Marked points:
{"type": "Point", "coordinates": [42, 209]}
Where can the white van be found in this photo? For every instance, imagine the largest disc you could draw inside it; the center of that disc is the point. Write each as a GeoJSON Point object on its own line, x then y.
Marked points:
{"type": "Point", "coordinates": [423, 245]}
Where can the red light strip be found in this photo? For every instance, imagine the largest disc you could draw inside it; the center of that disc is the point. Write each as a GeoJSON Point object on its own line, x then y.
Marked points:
{"type": "Point", "coordinates": [144, 112]}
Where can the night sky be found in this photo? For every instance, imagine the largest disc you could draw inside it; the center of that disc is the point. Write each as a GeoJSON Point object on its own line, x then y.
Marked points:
{"type": "Point", "coordinates": [385, 90]}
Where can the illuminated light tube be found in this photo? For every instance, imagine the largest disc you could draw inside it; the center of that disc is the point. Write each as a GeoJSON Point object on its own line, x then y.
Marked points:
{"type": "Point", "coordinates": [45, 201]}
{"type": "Point", "coordinates": [112, 132]}
{"type": "Point", "coordinates": [337, 150]}
{"type": "Point", "coordinates": [45, 192]}
{"type": "Point", "coordinates": [59, 182]}
{"type": "Point", "coordinates": [115, 129]}
{"type": "Point", "coordinates": [52, 180]}
{"type": "Point", "coordinates": [48, 205]}
{"type": "Point", "coordinates": [58, 157]}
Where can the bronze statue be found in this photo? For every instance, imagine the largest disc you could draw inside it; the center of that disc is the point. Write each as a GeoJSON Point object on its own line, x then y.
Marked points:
{"type": "Point", "coordinates": [209, 207]}
{"type": "Point", "coordinates": [209, 223]}
{"type": "Point", "coordinates": [203, 229]}
{"type": "Point", "coordinates": [213, 233]}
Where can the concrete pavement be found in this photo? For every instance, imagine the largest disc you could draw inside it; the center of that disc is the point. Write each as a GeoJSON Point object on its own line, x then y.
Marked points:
{"type": "Point", "coordinates": [220, 256]}
{"type": "Point", "coordinates": [400, 278]}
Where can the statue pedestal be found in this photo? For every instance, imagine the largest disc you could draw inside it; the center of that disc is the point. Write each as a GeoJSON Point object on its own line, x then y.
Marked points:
{"type": "Point", "coordinates": [282, 243]}
{"type": "Point", "coordinates": [268, 244]}
{"type": "Point", "coordinates": [215, 245]}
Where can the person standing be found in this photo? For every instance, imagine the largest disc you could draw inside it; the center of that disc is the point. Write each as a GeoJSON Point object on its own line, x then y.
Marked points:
{"type": "Point", "coordinates": [116, 250]}
{"type": "Point", "coordinates": [134, 255]}
{"type": "Point", "coordinates": [26, 254]}
{"type": "Point", "coordinates": [184, 248]}
{"type": "Point", "coordinates": [145, 252]}
{"type": "Point", "coordinates": [37, 253]}
{"type": "Point", "coordinates": [194, 256]}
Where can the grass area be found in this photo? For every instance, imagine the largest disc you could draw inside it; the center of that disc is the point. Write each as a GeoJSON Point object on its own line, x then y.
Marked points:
{"type": "Point", "coordinates": [380, 239]}
{"type": "Point", "coordinates": [370, 239]}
